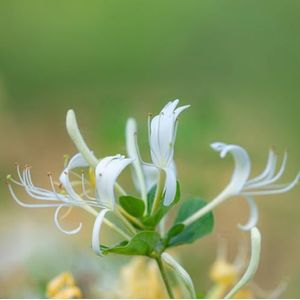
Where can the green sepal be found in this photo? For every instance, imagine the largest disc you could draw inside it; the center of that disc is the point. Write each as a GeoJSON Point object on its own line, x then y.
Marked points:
{"type": "Point", "coordinates": [146, 243]}
{"type": "Point", "coordinates": [194, 231]}
{"type": "Point", "coordinates": [134, 206]}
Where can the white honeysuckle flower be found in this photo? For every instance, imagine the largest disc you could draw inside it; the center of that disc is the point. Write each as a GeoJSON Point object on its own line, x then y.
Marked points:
{"type": "Point", "coordinates": [67, 197]}
{"type": "Point", "coordinates": [162, 133]}
{"type": "Point", "coordinates": [241, 185]}
{"type": "Point", "coordinates": [107, 171]}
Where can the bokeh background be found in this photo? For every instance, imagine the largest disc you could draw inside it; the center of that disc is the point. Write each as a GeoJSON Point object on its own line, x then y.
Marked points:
{"type": "Point", "coordinates": [236, 62]}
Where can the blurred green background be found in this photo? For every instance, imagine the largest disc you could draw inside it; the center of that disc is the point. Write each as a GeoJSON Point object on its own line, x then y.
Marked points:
{"type": "Point", "coordinates": [236, 62]}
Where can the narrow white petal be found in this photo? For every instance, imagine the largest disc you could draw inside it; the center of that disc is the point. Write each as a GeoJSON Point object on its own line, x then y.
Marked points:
{"type": "Point", "coordinates": [271, 163]}
{"type": "Point", "coordinates": [180, 109]}
{"type": "Point", "coordinates": [96, 240]}
{"type": "Point", "coordinates": [253, 264]}
{"type": "Point", "coordinates": [77, 161]}
{"type": "Point", "coordinates": [282, 189]}
{"type": "Point", "coordinates": [56, 221]}
{"type": "Point", "coordinates": [253, 215]}
{"type": "Point", "coordinates": [107, 172]}
{"type": "Point", "coordinates": [75, 135]}
{"type": "Point", "coordinates": [242, 166]}
{"type": "Point", "coordinates": [170, 107]}
{"type": "Point", "coordinates": [133, 153]}
{"type": "Point", "coordinates": [170, 185]}
{"type": "Point", "coordinates": [266, 182]}
{"type": "Point", "coordinates": [151, 175]}
{"type": "Point", "coordinates": [182, 274]}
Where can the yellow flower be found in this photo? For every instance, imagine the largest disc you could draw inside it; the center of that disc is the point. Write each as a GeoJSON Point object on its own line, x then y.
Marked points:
{"type": "Point", "coordinates": [63, 286]}
{"type": "Point", "coordinates": [140, 278]}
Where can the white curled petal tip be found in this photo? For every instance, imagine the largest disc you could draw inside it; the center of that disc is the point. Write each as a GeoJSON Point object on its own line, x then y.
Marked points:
{"type": "Point", "coordinates": [181, 273]}
{"type": "Point", "coordinates": [253, 216]}
{"type": "Point", "coordinates": [96, 239]}
{"type": "Point", "coordinates": [253, 264]}
{"type": "Point", "coordinates": [77, 161]}
{"type": "Point", "coordinates": [107, 172]}
{"type": "Point", "coordinates": [170, 107]}
{"type": "Point", "coordinates": [56, 221]}
{"type": "Point", "coordinates": [180, 109]}
{"type": "Point", "coordinates": [242, 165]}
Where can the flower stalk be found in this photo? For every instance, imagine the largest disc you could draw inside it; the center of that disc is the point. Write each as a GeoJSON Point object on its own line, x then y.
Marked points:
{"type": "Point", "coordinates": [164, 277]}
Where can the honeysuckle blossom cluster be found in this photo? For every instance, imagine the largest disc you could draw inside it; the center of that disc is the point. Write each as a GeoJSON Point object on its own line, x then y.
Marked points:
{"type": "Point", "coordinates": [91, 183]}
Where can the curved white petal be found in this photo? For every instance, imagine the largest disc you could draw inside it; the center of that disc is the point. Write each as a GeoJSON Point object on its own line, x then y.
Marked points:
{"type": "Point", "coordinates": [270, 167]}
{"type": "Point", "coordinates": [96, 232]}
{"type": "Point", "coordinates": [253, 215]}
{"type": "Point", "coordinates": [75, 135]}
{"type": "Point", "coordinates": [133, 153]}
{"type": "Point", "coordinates": [170, 185]}
{"type": "Point", "coordinates": [107, 172]}
{"type": "Point", "coordinates": [275, 190]}
{"type": "Point", "coordinates": [77, 161]}
{"type": "Point", "coordinates": [56, 221]}
{"type": "Point", "coordinates": [266, 182]}
{"type": "Point", "coordinates": [182, 274]}
{"type": "Point", "coordinates": [253, 264]}
{"type": "Point", "coordinates": [242, 166]}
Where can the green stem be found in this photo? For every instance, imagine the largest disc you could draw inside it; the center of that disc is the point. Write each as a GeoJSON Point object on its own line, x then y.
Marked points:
{"type": "Point", "coordinates": [130, 217]}
{"type": "Point", "coordinates": [159, 191]}
{"type": "Point", "coordinates": [164, 277]}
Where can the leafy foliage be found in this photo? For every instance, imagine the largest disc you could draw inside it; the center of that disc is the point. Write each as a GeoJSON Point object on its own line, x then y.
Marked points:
{"type": "Point", "coordinates": [147, 243]}
{"type": "Point", "coordinates": [180, 234]}
{"type": "Point", "coordinates": [152, 220]}
{"type": "Point", "coordinates": [132, 205]}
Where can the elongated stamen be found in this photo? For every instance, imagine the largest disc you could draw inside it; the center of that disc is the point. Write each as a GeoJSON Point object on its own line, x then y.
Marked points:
{"type": "Point", "coordinates": [84, 189]}
{"type": "Point", "coordinates": [56, 220]}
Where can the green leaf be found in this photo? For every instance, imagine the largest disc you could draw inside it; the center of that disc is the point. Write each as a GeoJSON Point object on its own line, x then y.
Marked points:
{"type": "Point", "coordinates": [174, 231]}
{"type": "Point", "coordinates": [194, 231]}
{"type": "Point", "coordinates": [150, 199]}
{"type": "Point", "coordinates": [132, 205]}
{"type": "Point", "coordinates": [153, 220]}
{"type": "Point", "coordinates": [147, 243]}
